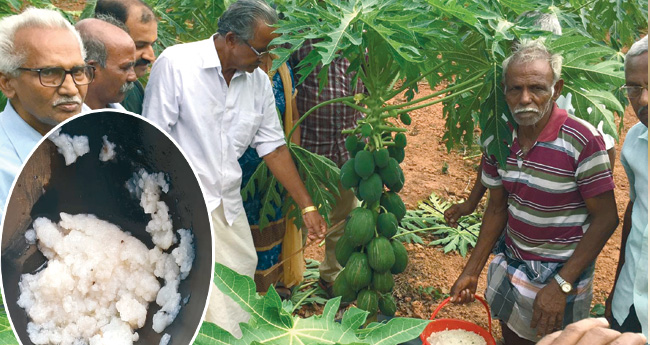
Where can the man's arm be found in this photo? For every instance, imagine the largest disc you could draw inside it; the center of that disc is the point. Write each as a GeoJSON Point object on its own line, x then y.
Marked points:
{"type": "Point", "coordinates": [453, 213]}
{"type": "Point", "coordinates": [548, 308]}
{"type": "Point", "coordinates": [494, 222]}
{"type": "Point", "coordinates": [283, 168]}
{"type": "Point", "coordinates": [627, 227]}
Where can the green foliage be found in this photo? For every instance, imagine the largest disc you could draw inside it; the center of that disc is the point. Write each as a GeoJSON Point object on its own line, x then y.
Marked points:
{"type": "Point", "coordinates": [463, 44]}
{"type": "Point", "coordinates": [429, 218]}
{"type": "Point", "coordinates": [181, 21]}
{"type": "Point", "coordinates": [270, 323]}
{"type": "Point", "coordinates": [598, 310]}
{"type": "Point", "coordinates": [319, 174]}
{"type": "Point", "coordinates": [7, 336]}
{"type": "Point", "coordinates": [434, 292]}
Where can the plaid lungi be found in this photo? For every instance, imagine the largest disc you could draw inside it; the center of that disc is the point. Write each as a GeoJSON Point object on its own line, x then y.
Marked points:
{"type": "Point", "coordinates": [513, 285]}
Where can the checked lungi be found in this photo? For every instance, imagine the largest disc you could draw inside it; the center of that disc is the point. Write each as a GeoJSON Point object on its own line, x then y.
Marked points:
{"type": "Point", "coordinates": [513, 285]}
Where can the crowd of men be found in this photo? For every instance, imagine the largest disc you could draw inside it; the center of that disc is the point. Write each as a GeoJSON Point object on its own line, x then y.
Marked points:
{"type": "Point", "coordinates": [551, 209]}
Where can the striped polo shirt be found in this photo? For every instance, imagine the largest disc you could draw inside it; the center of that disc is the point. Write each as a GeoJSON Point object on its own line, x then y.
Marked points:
{"type": "Point", "coordinates": [547, 215]}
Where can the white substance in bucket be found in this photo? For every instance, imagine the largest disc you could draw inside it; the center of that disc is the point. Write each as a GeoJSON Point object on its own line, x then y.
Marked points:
{"type": "Point", "coordinates": [70, 147]}
{"type": "Point", "coordinates": [455, 337]}
{"type": "Point", "coordinates": [108, 150]}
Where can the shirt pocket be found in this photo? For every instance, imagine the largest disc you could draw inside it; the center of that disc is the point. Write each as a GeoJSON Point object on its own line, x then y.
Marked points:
{"type": "Point", "coordinates": [245, 125]}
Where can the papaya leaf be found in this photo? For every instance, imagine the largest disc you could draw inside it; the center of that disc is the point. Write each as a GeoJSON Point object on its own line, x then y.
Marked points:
{"type": "Point", "coordinates": [270, 323]}
{"type": "Point", "coordinates": [396, 331]}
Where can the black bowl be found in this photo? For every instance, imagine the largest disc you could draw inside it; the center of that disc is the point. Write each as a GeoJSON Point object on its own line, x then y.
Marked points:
{"type": "Point", "coordinates": [46, 187]}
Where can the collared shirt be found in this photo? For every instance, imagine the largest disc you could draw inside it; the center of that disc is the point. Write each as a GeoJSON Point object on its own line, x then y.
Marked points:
{"type": "Point", "coordinates": [213, 123]}
{"type": "Point", "coordinates": [85, 108]}
{"type": "Point", "coordinates": [17, 139]}
{"type": "Point", "coordinates": [633, 279]}
{"type": "Point", "coordinates": [547, 215]}
{"type": "Point", "coordinates": [321, 131]}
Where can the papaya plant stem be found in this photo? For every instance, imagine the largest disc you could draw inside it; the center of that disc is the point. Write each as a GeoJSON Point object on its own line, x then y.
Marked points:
{"type": "Point", "coordinates": [415, 81]}
{"type": "Point", "coordinates": [348, 131]}
{"type": "Point", "coordinates": [437, 100]}
{"type": "Point", "coordinates": [356, 107]}
{"type": "Point", "coordinates": [420, 230]}
{"type": "Point", "coordinates": [435, 94]}
{"type": "Point", "coordinates": [304, 116]}
{"type": "Point", "coordinates": [303, 299]}
{"type": "Point", "coordinates": [391, 129]}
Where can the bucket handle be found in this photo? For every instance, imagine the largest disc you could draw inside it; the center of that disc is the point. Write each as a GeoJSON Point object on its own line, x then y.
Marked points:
{"type": "Point", "coordinates": [446, 301]}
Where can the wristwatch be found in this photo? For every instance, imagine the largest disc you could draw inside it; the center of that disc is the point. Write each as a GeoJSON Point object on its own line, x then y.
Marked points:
{"type": "Point", "coordinates": [565, 286]}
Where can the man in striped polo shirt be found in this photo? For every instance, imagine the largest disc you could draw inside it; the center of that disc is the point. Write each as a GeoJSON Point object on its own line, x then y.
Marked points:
{"type": "Point", "coordinates": [553, 201]}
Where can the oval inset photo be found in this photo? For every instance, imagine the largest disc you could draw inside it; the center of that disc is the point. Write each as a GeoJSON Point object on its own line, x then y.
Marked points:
{"type": "Point", "coordinates": [106, 238]}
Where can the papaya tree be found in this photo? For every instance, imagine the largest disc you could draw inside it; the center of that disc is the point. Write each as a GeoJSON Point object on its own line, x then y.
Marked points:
{"type": "Point", "coordinates": [459, 45]}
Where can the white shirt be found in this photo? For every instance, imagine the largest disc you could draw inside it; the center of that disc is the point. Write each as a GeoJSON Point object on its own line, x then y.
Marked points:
{"type": "Point", "coordinates": [632, 284]}
{"type": "Point", "coordinates": [212, 122]}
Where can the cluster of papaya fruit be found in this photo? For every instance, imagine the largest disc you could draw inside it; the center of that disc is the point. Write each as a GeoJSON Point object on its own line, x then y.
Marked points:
{"type": "Point", "coordinates": [367, 251]}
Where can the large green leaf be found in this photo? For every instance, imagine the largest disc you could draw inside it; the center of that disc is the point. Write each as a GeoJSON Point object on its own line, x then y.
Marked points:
{"type": "Point", "coordinates": [272, 324]}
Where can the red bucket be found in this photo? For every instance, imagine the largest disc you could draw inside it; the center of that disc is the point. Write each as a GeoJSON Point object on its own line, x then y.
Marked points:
{"type": "Point", "coordinates": [450, 324]}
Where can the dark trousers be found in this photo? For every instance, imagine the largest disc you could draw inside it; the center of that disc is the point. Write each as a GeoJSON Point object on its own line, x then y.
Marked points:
{"type": "Point", "coordinates": [631, 323]}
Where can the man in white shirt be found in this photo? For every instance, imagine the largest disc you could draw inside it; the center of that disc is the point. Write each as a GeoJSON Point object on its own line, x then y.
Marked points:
{"type": "Point", "coordinates": [627, 305]}
{"type": "Point", "coordinates": [211, 97]}
{"type": "Point", "coordinates": [111, 51]}
{"type": "Point", "coordinates": [45, 78]}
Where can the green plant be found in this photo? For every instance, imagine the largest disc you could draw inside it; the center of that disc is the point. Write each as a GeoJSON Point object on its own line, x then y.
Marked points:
{"type": "Point", "coordinates": [7, 336]}
{"type": "Point", "coordinates": [429, 217]}
{"type": "Point", "coordinates": [271, 321]}
{"type": "Point", "coordinates": [434, 292]}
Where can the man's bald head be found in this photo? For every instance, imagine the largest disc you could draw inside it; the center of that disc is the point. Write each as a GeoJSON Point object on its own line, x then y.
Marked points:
{"type": "Point", "coordinates": [97, 34]}
{"type": "Point", "coordinates": [112, 51]}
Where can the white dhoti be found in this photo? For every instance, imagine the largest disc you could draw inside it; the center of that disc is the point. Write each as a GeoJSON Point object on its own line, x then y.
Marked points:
{"type": "Point", "coordinates": [234, 248]}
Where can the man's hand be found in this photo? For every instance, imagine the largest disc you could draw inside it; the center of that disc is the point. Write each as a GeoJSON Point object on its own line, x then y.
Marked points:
{"type": "Point", "coordinates": [592, 332]}
{"type": "Point", "coordinates": [316, 225]}
{"type": "Point", "coordinates": [548, 309]}
{"type": "Point", "coordinates": [464, 289]}
{"type": "Point", "coordinates": [456, 211]}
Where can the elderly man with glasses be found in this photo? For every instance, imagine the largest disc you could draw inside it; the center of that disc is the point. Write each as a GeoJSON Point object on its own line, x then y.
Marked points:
{"type": "Point", "coordinates": [215, 102]}
{"type": "Point", "coordinates": [45, 78]}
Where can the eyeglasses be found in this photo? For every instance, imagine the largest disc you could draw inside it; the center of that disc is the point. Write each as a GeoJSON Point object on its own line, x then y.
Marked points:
{"type": "Point", "coordinates": [634, 91]}
{"type": "Point", "coordinates": [255, 50]}
{"type": "Point", "coordinates": [54, 76]}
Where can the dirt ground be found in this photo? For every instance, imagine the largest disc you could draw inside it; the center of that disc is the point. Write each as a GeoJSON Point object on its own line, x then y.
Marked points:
{"type": "Point", "coordinates": [429, 267]}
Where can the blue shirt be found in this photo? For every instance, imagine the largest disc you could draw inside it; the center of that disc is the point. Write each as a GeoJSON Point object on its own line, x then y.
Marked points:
{"type": "Point", "coordinates": [632, 284]}
{"type": "Point", "coordinates": [17, 139]}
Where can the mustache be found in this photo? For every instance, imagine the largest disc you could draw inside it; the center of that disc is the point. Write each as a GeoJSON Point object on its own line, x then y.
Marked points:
{"type": "Point", "coordinates": [65, 100]}
{"type": "Point", "coordinates": [525, 110]}
{"type": "Point", "coordinates": [142, 62]}
{"type": "Point", "coordinates": [126, 87]}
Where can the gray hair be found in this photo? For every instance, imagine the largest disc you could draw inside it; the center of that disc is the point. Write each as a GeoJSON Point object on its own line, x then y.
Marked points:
{"type": "Point", "coordinates": [242, 17]}
{"type": "Point", "coordinates": [30, 18]}
{"type": "Point", "coordinates": [639, 47]}
{"type": "Point", "coordinates": [532, 50]}
{"type": "Point", "coordinates": [95, 47]}
{"type": "Point", "coordinates": [112, 20]}
{"type": "Point", "coordinates": [543, 21]}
